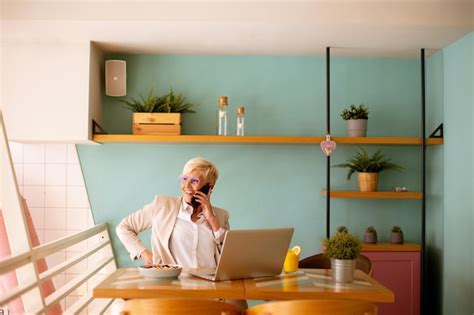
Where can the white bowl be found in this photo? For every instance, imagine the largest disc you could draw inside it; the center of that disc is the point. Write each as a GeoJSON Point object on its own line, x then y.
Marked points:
{"type": "Point", "coordinates": [160, 271]}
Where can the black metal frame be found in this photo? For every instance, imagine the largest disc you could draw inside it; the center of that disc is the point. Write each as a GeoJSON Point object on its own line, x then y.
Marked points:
{"type": "Point", "coordinates": [328, 130]}
{"type": "Point", "coordinates": [438, 129]}
{"type": "Point", "coordinates": [423, 171]}
{"type": "Point", "coordinates": [423, 184]}
{"type": "Point", "coordinates": [96, 126]}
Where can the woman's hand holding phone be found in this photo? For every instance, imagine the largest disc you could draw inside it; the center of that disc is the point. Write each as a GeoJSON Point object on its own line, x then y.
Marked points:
{"type": "Point", "coordinates": [202, 197]}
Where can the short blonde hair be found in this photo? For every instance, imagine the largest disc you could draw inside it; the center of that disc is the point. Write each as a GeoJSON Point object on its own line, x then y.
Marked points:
{"type": "Point", "coordinates": [210, 171]}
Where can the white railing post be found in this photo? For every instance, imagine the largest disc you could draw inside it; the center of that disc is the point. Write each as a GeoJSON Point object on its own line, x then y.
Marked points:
{"type": "Point", "coordinates": [15, 223]}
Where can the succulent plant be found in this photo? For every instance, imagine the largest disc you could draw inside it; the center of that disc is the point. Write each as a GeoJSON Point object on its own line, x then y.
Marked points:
{"type": "Point", "coordinates": [342, 229]}
{"type": "Point", "coordinates": [370, 235]}
{"type": "Point", "coordinates": [356, 112]}
{"type": "Point", "coordinates": [396, 229]}
{"type": "Point", "coordinates": [370, 229]}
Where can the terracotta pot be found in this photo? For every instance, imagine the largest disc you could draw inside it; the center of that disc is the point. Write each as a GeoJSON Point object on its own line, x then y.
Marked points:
{"type": "Point", "coordinates": [396, 238]}
{"type": "Point", "coordinates": [368, 181]}
{"type": "Point", "coordinates": [370, 237]}
{"type": "Point", "coordinates": [357, 127]}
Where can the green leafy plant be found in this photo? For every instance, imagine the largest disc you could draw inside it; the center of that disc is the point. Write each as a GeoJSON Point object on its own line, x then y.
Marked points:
{"type": "Point", "coordinates": [167, 103]}
{"type": "Point", "coordinates": [362, 162]}
{"type": "Point", "coordinates": [142, 105]}
{"type": "Point", "coordinates": [396, 229]}
{"type": "Point", "coordinates": [356, 112]}
{"type": "Point", "coordinates": [343, 246]}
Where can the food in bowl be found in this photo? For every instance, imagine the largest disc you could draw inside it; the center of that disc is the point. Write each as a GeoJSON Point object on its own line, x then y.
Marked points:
{"type": "Point", "coordinates": [162, 267]}
{"type": "Point", "coordinates": [160, 270]}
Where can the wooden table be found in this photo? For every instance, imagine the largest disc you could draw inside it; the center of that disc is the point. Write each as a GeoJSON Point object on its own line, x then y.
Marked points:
{"type": "Point", "coordinates": [304, 284]}
{"type": "Point", "coordinates": [127, 283]}
{"type": "Point", "coordinates": [317, 284]}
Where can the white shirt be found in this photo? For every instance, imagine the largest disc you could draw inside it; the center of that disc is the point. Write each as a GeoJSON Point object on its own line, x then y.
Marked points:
{"type": "Point", "coordinates": [193, 244]}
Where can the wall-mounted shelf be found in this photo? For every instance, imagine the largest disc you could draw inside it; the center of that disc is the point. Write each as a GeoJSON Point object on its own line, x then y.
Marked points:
{"type": "Point", "coordinates": [384, 247]}
{"type": "Point", "coordinates": [105, 138]}
{"type": "Point", "coordinates": [374, 194]}
{"type": "Point", "coordinates": [389, 247]}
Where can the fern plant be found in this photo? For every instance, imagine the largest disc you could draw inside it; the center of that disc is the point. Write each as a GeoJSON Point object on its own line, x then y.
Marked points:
{"type": "Point", "coordinates": [362, 162]}
{"type": "Point", "coordinates": [167, 103]}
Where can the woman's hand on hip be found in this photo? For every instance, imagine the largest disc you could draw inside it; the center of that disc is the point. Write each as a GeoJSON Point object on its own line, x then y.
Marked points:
{"type": "Point", "coordinates": [147, 257]}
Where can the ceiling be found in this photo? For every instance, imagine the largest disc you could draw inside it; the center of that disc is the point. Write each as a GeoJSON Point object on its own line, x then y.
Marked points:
{"type": "Point", "coordinates": [396, 28]}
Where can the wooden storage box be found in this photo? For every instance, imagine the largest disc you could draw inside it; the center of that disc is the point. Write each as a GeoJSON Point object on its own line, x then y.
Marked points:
{"type": "Point", "coordinates": [156, 123]}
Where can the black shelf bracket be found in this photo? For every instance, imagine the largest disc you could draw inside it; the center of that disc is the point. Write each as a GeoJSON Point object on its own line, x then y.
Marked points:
{"type": "Point", "coordinates": [438, 130]}
{"type": "Point", "coordinates": [95, 127]}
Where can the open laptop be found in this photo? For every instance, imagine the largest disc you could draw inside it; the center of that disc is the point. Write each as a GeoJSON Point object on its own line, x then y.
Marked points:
{"type": "Point", "coordinates": [251, 254]}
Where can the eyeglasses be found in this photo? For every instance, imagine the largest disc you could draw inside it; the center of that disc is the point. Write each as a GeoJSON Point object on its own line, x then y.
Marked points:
{"type": "Point", "coordinates": [193, 180]}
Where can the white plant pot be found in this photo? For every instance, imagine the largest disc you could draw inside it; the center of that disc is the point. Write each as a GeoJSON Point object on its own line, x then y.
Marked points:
{"type": "Point", "coordinates": [357, 127]}
{"type": "Point", "coordinates": [343, 270]}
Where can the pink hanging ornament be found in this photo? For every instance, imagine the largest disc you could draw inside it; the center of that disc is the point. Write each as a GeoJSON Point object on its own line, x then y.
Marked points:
{"type": "Point", "coordinates": [328, 146]}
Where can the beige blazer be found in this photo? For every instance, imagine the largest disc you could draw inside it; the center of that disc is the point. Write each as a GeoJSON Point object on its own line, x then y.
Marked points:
{"type": "Point", "coordinates": [159, 216]}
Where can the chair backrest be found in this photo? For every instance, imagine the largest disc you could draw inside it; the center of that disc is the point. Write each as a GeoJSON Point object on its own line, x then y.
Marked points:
{"type": "Point", "coordinates": [176, 306]}
{"type": "Point", "coordinates": [321, 261]}
{"type": "Point", "coordinates": [315, 307]}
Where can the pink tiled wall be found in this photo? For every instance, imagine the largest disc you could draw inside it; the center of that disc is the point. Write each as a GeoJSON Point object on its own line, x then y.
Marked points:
{"type": "Point", "coordinates": [50, 178]}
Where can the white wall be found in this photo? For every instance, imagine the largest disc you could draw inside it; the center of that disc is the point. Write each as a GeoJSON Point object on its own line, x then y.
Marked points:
{"type": "Point", "coordinates": [50, 179]}
{"type": "Point", "coordinates": [45, 91]}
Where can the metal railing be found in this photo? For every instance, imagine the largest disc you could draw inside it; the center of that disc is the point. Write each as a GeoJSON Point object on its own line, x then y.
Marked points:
{"type": "Point", "coordinates": [15, 263]}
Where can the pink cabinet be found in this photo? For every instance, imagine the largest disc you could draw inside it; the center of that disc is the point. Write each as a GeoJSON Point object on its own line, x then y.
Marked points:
{"type": "Point", "coordinates": [398, 268]}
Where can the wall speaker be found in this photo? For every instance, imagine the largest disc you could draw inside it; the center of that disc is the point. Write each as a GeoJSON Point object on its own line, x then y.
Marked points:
{"type": "Point", "coordinates": [115, 77]}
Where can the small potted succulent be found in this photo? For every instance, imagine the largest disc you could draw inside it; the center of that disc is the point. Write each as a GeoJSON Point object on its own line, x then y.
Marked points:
{"type": "Point", "coordinates": [356, 117]}
{"type": "Point", "coordinates": [370, 235]}
{"type": "Point", "coordinates": [342, 229]}
{"type": "Point", "coordinates": [158, 115]}
{"type": "Point", "coordinates": [396, 237]}
{"type": "Point", "coordinates": [368, 168]}
{"type": "Point", "coordinates": [343, 249]}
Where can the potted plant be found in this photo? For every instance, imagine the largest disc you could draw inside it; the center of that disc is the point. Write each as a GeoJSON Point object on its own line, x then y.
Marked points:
{"type": "Point", "coordinates": [342, 229]}
{"type": "Point", "coordinates": [343, 249]}
{"type": "Point", "coordinates": [158, 115]}
{"type": "Point", "coordinates": [370, 235]}
{"type": "Point", "coordinates": [396, 237]}
{"type": "Point", "coordinates": [368, 168]}
{"type": "Point", "coordinates": [356, 117]}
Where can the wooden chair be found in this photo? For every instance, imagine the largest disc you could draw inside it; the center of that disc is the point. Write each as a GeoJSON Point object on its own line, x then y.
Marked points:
{"type": "Point", "coordinates": [320, 261]}
{"type": "Point", "coordinates": [315, 307]}
{"type": "Point", "coordinates": [175, 307]}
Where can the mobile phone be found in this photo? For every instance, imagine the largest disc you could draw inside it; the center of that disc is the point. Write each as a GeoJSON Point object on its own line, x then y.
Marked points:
{"type": "Point", "coordinates": [205, 190]}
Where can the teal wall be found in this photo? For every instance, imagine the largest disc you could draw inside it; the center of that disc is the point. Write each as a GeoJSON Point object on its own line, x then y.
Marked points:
{"type": "Point", "coordinates": [264, 185]}
{"type": "Point", "coordinates": [458, 270]}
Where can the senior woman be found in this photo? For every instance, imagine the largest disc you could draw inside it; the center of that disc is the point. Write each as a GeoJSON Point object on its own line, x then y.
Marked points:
{"type": "Point", "coordinates": [185, 230]}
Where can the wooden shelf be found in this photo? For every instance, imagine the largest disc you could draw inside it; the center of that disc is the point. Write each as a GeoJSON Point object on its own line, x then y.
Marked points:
{"type": "Point", "coordinates": [385, 140]}
{"type": "Point", "coordinates": [384, 247]}
{"type": "Point", "coordinates": [208, 139]}
{"type": "Point", "coordinates": [374, 194]}
{"type": "Point", "coordinates": [388, 247]}
{"type": "Point", "coordinates": [257, 139]}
